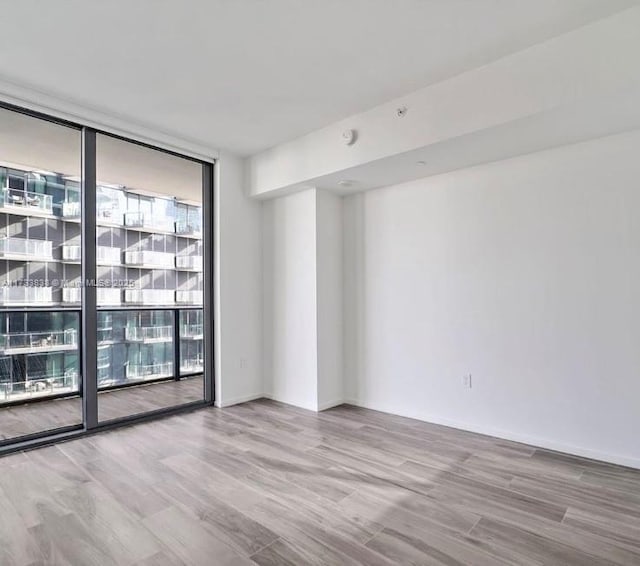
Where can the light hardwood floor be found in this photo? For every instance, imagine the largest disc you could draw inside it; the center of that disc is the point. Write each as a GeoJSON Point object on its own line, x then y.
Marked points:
{"type": "Point", "coordinates": [271, 484]}
{"type": "Point", "coordinates": [40, 416]}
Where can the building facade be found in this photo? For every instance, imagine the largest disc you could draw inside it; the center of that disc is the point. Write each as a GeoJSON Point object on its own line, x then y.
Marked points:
{"type": "Point", "coordinates": [149, 285]}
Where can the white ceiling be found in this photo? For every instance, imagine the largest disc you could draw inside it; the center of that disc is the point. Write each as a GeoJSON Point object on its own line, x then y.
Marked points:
{"type": "Point", "coordinates": [245, 75]}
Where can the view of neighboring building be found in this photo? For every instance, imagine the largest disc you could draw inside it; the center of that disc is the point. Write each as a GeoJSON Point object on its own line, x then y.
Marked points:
{"type": "Point", "coordinates": [149, 254]}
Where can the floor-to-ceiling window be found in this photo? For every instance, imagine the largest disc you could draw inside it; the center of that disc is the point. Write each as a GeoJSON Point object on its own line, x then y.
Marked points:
{"type": "Point", "coordinates": [40, 339]}
{"type": "Point", "coordinates": [117, 317]}
{"type": "Point", "coordinates": [149, 206]}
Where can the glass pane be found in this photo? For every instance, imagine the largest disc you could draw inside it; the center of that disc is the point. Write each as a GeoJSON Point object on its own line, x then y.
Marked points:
{"type": "Point", "coordinates": [149, 228]}
{"type": "Point", "coordinates": [191, 342]}
{"type": "Point", "coordinates": [40, 355]}
{"type": "Point", "coordinates": [134, 346]}
{"type": "Point", "coordinates": [39, 269]}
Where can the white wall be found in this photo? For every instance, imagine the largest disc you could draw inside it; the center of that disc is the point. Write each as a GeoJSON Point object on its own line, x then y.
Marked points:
{"type": "Point", "coordinates": [302, 324]}
{"type": "Point", "coordinates": [290, 328]}
{"type": "Point", "coordinates": [238, 286]}
{"type": "Point", "coordinates": [329, 307]}
{"type": "Point", "coordinates": [524, 273]}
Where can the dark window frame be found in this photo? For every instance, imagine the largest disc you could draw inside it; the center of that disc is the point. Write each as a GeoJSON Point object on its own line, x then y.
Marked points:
{"type": "Point", "coordinates": [87, 347]}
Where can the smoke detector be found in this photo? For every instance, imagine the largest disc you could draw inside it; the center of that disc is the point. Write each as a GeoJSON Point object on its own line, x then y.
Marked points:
{"type": "Point", "coordinates": [349, 137]}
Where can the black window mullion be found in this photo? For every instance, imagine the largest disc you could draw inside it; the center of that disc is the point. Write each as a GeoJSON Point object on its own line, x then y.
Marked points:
{"type": "Point", "coordinates": [176, 344]}
{"type": "Point", "coordinates": [89, 274]}
{"type": "Point", "coordinates": [208, 280]}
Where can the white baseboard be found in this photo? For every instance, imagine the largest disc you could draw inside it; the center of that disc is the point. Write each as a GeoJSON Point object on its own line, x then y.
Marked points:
{"type": "Point", "coordinates": [288, 402]}
{"type": "Point", "coordinates": [535, 441]}
{"type": "Point", "coordinates": [330, 404]}
{"type": "Point", "coordinates": [237, 400]}
{"type": "Point", "coordinates": [320, 407]}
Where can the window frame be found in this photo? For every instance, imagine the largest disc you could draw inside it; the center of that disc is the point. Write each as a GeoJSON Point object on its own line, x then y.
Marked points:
{"type": "Point", "coordinates": [88, 309]}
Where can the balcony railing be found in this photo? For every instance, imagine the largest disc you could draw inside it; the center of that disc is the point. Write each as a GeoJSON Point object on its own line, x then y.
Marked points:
{"type": "Point", "coordinates": [68, 379]}
{"type": "Point", "coordinates": [109, 297]}
{"type": "Point", "coordinates": [26, 296]}
{"type": "Point", "coordinates": [103, 296]}
{"type": "Point", "coordinates": [145, 220]}
{"type": "Point", "coordinates": [188, 229]}
{"type": "Point", "coordinates": [105, 334]}
{"type": "Point", "coordinates": [24, 249]}
{"type": "Point", "coordinates": [71, 294]}
{"type": "Point", "coordinates": [192, 331]}
{"type": "Point", "coordinates": [105, 255]}
{"type": "Point", "coordinates": [189, 263]}
{"type": "Point", "coordinates": [189, 297]}
{"type": "Point", "coordinates": [149, 296]}
{"type": "Point", "coordinates": [108, 215]}
{"type": "Point", "coordinates": [161, 260]}
{"type": "Point", "coordinates": [105, 376]}
{"type": "Point", "coordinates": [149, 371]}
{"type": "Point", "coordinates": [71, 253]}
{"type": "Point", "coordinates": [38, 341]}
{"type": "Point", "coordinates": [192, 366]}
{"type": "Point", "coordinates": [149, 334]}
{"type": "Point", "coordinates": [26, 202]}
{"type": "Point", "coordinates": [71, 210]}
{"type": "Point", "coordinates": [40, 384]}
{"type": "Point", "coordinates": [104, 359]}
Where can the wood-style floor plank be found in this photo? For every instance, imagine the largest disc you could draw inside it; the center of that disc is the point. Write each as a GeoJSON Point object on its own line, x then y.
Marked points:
{"type": "Point", "coordinates": [45, 415]}
{"type": "Point", "coordinates": [265, 483]}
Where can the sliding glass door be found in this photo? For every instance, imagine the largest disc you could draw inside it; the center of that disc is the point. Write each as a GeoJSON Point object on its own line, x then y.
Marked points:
{"type": "Point", "coordinates": [40, 338]}
{"type": "Point", "coordinates": [150, 262]}
{"type": "Point", "coordinates": [105, 279]}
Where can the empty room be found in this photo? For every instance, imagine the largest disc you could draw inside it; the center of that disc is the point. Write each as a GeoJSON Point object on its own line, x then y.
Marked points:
{"type": "Point", "coordinates": [300, 282]}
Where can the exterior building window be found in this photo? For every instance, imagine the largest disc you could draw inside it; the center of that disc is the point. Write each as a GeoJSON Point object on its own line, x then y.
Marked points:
{"type": "Point", "coordinates": [134, 346]}
{"type": "Point", "coordinates": [39, 350]}
{"type": "Point", "coordinates": [39, 354]}
{"type": "Point", "coordinates": [152, 244]}
{"type": "Point", "coordinates": [148, 273]}
{"type": "Point", "coordinates": [191, 341]}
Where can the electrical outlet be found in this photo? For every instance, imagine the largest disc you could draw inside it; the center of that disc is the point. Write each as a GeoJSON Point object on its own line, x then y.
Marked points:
{"type": "Point", "coordinates": [466, 381]}
{"type": "Point", "coordinates": [243, 363]}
